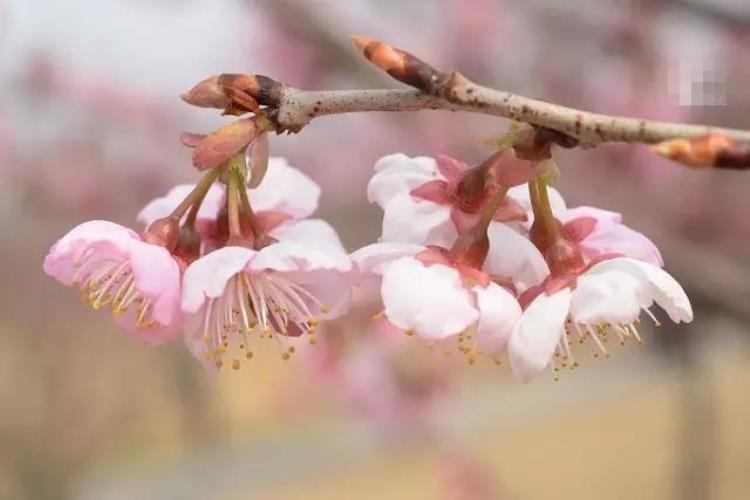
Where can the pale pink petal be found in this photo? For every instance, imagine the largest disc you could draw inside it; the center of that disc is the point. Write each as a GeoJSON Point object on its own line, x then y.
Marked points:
{"type": "Point", "coordinates": [513, 256]}
{"type": "Point", "coordinates": [435, 191]}
{"type": "Point", "coordinates": [313, 232]}
{"type": "Point", "coordinates": [499, 313]}
{"type": "Point", "coordinates": [612, 238]}
{"type": "Point", "coordinates": [162, 207]}
{"type": "Point", "coordinates": [157, 277]}
{"type": "Point", "coordinates": [207, 276]}
{"type": "Point", "coordinates": [303, 246]}
{"type": "Point", "coordinates": [609, 296]}
{"type": "Point", "coordinates": [407, 219]}
{"type": "Point", "coordinates": [432, 301]}
{"type": "Point", "coordinates": [521, 195]}
{"type": "Point", "coordinates": [103, 237]}
{"type": "Point", "coordinates": [657, 286]}
{"type": "Point", "coordinates": [375, 258]}
{"type": "Point", "coordinates": [398, 173]}
{"type": "Point", "coordinates": [584, 211]}
{"type": "Point", "coordinates": [450, 168]}
{"type": "Point", "coordinates": [536, 336]}
{"type": "Point", "coordinates": [285, 189]}
{"type": "Point", "coordinates": [667, 292]}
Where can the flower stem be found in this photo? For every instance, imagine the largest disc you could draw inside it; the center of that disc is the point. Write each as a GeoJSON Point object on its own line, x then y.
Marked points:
{"type": "Point", "coordinates": [233, 204]}
{"type": "Point", "coordinates": [497, 200]}
{"type": "Point", "coordinates": [195, 198]}
{"type": "Point", "coordinates": [541, 206]}
{"type": "Point", "coordinates": [247, 212]}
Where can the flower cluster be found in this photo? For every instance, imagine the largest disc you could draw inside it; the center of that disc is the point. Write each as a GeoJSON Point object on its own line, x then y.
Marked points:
{"type": "Point", "coordinates": [213, 266]}
{"type": "Point", "coordinates": [487, 257]}
{"type": "Point", "coordinates": [504, 265]}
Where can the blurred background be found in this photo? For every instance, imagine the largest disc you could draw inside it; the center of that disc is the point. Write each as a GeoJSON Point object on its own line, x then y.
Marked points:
{"type": "Point", "coordinates": [89, 125]}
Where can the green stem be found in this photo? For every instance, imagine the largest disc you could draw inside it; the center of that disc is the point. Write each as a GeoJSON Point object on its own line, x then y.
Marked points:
{"type": "Point", "coordinates": [495, 203]}
{"type": "Point", "coordinates": [248, 212]}
{"type": "Point", "coordinates": [195, 198]}
{"type": "Point", "coordinates": [541, 206]}
{"type": "Point", "coordinates": [233, 204]}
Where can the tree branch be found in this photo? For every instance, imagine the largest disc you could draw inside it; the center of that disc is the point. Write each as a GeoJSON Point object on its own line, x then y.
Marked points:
{"type": "Point", "coordinates": [297, 108]}
{"type": "Point", "coordinates": [290, 109]}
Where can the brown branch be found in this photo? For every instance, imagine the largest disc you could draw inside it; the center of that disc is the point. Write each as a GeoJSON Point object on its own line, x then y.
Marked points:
{"type": "Point", "coordinates": [290, 109]}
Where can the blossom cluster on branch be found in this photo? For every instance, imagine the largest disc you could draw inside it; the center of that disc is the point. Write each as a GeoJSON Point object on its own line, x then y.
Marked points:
{"type": "Point", "coordinates": [486, 259]}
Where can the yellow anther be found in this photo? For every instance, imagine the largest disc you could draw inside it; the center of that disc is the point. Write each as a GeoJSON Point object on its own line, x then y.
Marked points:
{"type": "Point", "coordinates": [249, 354]}
{"type": "Point", "coordinates": [235, 364]}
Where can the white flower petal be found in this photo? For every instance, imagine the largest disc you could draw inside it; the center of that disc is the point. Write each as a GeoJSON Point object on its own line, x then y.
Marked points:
{"type": "Point", "coordinates": [499, 313]}
{"type": "Point", "coordinates": [536, 336]}
{"type": "Point", "coordinates": [314, 232]}
{"type": "Point", "coordinates": [521, 195]}
{"type": "Point", "coordinates": [398, 173]}
{"type": "Point", "coordinates": [599, 214]}
{"type": "Point", "coordinates": [514, 256]}
{"type": "Point", "coordinates": [667, 292]}
{"type": "Point", "coordinates": [285, 189]}
{"type": "Point", "coordinates": [207, 276]}
{"type": "Point", "coordinates": [610, 296]}
{"type": "Point", "coordinates": [430, 300]}
{"type": "Point", "coordinates": [377, 257]}
{"type": "Point", "coordinates": [407, 219]}
{"type": "Point", "coordinates": [656, 286]}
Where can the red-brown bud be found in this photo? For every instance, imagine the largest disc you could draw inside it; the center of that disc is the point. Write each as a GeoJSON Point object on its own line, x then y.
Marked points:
{"type": "Point", "coordinates": [713, 150]}
{"type": "Point", "coordinates": [207, 94]}
{"type": "Point", "coordinates": [164, 232]}
{"type": "Point", "coordinates": [225, 142]}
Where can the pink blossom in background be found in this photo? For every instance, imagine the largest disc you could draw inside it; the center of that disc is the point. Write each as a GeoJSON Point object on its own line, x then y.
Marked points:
{"type": "Point", "coordinates": [113, 266]}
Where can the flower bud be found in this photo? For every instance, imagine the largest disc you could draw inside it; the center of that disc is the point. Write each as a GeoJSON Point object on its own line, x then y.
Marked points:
{"type": "Point", "coordinates": [164, 232]}
{"type": "Point", "coordinates": [207, 94]}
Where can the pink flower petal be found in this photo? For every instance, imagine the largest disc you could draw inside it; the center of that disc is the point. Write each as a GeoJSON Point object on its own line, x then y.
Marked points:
{"type": "Point", "coordinates": [398, 174]}
{"type": "Point", "coordinates": [510, 210]}
{"type": "Point", "coordinates": [285, 189]}
{"type": "Point", "coordinates": [375, 258]}
{"type": "Point", "coordinates": [609, 296]}
{"type": "Point", "coordinates": [207, 276]}
{"type": "Point", "coordinates": [409, 220]}
{"type": "Point", "coordinates": [536, 336]}
{"type": "Point", "coordinates": [618, 238]}
{"type": "Point", "coordinates": [499, 313]}
{"type": "Point", "coordinates": [429, 300]}
{"type": "Point", "coordinates": [450, 168]}
{"type": "Point", "coordinates": [157, 277]}
{"type": "Point", "coordinates": [435, 191]}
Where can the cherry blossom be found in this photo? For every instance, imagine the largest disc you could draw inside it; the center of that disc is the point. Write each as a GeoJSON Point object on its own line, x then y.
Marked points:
{"type": "Point", "coordinates": [113, 266]}
{"type": "Point", "coordinates": [607, 298]}
{"type": "Point", "coordinates": [427, 292]}
{"type": "Point", "coordinates": [428, 201]}
{"type": "Point", "coordinates": [281, 290]}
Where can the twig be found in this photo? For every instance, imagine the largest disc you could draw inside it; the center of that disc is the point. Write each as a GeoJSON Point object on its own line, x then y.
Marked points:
{"type": "Point", "coordinates": [290, 109]}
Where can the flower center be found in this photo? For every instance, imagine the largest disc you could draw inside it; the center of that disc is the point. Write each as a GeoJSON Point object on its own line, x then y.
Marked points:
{"type": "Point", "coordinates": [263, 305]}
{"type": "Point", "coordinates": [597, 334]}
{"type": "Point", "coordinates": [107, 281]}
